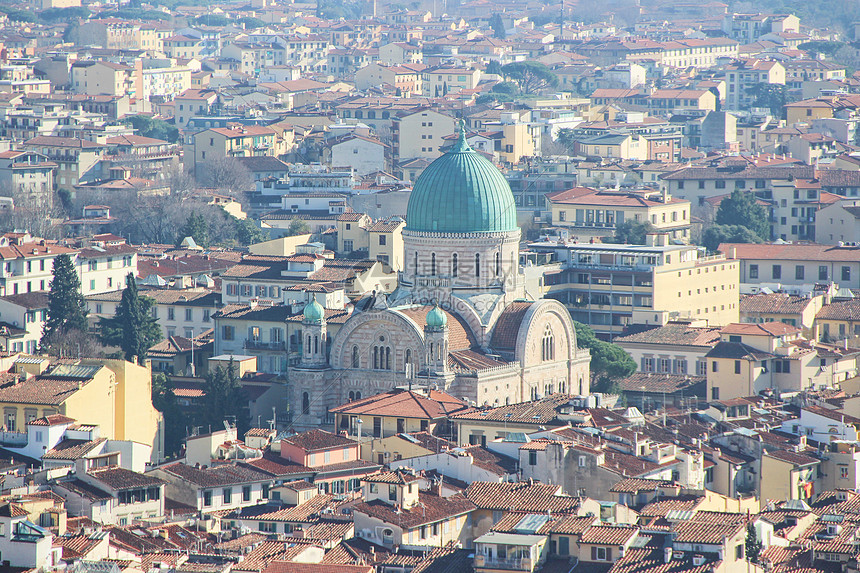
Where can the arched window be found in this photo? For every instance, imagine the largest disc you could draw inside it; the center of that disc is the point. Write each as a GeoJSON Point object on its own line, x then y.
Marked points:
{"type": "Point", "coordinates": [547, 345]}
{"type": "Point", "coordinates": [477, 265]}
{"type": "Point", "coordinates": [433, 264]}
{"type": "Point", "coordinates": [415, 270]}
{"type": "Point", "coordinates": [376, 358]}
{"type": "Point", "coordinates": [316, 344]}
{"type": "Point", "coordinates": [309, 342]}
{"type": "Point", "coordinates": [306, 403]}
{"type": "Point", "coordinates": [454, 265]}
{"type": "Point", "coordinates": [351, 395]}
{"type": "Point", "coordinates": [498, 264]}
{"type": "Point", "coordinates": [355, 356]}
{"type": "Point", "coordinates": [358, 395]}
{"type": "Point", "coordinates": [388, 358]}
{"type": "Point", "coordinates": [408, 359]}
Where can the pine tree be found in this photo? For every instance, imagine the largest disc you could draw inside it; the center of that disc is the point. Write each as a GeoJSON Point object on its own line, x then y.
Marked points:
{"type": "Point", "coordinates": [133, 328]}
{"type": "Point", "coordinates": [498, 26]}
{"type": "Point", "coordinates": [196, 228]}
{"type": "Point", "coordinates": [67, 311]}
{"type": "Point", "coordinates": [753, 545]}
{"type": "Point", "coordinates": [224, 398]}
{"type": "Point", "coordinates": [742, 208]}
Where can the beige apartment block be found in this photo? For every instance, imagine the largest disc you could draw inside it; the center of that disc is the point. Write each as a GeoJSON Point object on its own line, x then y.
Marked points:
{"type": "Point", "coordinates": [610, 287]}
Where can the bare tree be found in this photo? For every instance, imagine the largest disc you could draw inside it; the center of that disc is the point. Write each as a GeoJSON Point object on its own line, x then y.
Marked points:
{"type": "Point", "coordinates": [226, 174]}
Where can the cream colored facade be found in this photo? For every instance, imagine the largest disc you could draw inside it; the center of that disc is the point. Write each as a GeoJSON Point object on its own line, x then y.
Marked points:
{"type": "Point", "coordinates": [591, 213]}
{"type": "Point", "coordinates": [611, 286]}
{"type": "Point", "coordinates": [442, 81]}
{"type": "Point", "coordinates": [386, 243]}
{"type": "Point", "coordinates": [114, 394]}
{"type": "Point", "coordinates": [420, 134]}
{"type": "Point", "coordinates": [782, 479]}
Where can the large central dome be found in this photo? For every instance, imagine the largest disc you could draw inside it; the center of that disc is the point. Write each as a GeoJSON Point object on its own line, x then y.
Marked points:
{"type": "Point", "coordinates": [461, 192]}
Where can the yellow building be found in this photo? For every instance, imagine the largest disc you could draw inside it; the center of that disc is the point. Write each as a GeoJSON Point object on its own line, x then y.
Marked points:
{"type": "Point", "coordinates": [438, 82]}
{"type": "Point", "coordinates": [383, 240]}
{"type": "Point", "coordinates": [113, 394]}
{"type": "Point", "coordinates": [615, 146]}
{"type": "Point", "coordinates": [402, 447]}
{"type": "Point", "coordinates": [610, 286]}
{"type": "Point", "coordinates": [591, 213]}
{"type": "Point", "coordinates": [787, 475]}
{"type": "Point", "coordinates": [822, 107]}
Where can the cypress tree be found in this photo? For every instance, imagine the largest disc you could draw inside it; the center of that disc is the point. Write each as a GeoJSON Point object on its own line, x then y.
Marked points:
{"type": "Point", "coordinates": [133, 328]}
{"type": "Point", "coordinates": [67, 311]}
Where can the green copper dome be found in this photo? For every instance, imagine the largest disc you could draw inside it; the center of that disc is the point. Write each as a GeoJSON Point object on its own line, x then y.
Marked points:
{"type": "Point", "coordinates": [436, 318]}
{"type": "Point", "coordinates": [313, 312]}
{"type": "Point", "coordinates": [461, 192]}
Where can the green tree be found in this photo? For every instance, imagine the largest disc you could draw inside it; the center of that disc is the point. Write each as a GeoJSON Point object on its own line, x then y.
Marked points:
{"type": "Point", "coordinates": [531, 77]}
{"type": "Point", "coordinates": [498, 26]}
{"type": "Point", "coordinates": [67, 311]}
{"type": "Point", "coordinates": [152, 127]}
{"type": "Point", "coordinates": [494, 67]}
{"type": "Point", "coordinates": [609, 362]}
{"type": "Point", "coordinates": [632, 232]}
{"type": "Point", "coordinates": [298, 227]}
{"type": "Point", "coordinates": [213, 20]}
{"type": "Point", "coordinates": [714, 235]}
{"type": "Point", "coordinates": [821, 47]}
{"type": "Point", "coordinates": [164, 400]}
{"type": "Point", "coordinates": [247, 232]}
{"type": "Point", "coordinates": [742, 208]}
{"type": "Point", "coordinates": [196, 228]}
{"type": "Point", "coordinates": [772, 96]}
{"type": "Point", "coordinates": [567, 138]}
{"type": "Point", "coordinates": [132, 328]}
{"type": "Point", "coordinates": [251, 23]}
{"type": "Point", "coordinates": [509, 88]}
{"type": "Point", "coordinates": [753, 545]}
{"type": "Point", "coordinates": [224, 398]}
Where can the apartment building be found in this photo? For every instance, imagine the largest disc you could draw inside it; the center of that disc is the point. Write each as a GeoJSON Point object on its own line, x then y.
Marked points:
{"type": "Point", "coordinates": [406, 78]}
{"type": "Point", "coordinates": [743, 75]}
{"type": "Point", "coordinates": [610, 287]}
{"type": "Point", "coordinates": [753, 357]}
{"type": "Point", "coordinates": [95, 77]}
{"type": "Point", "coordinates": [795, 267]}
{"type": "Point", "coordinates": [233, 141]}
{"type": "Point", "coordinates": [420, 133]}
{"type": "Point", "coordinates": [26, 172]}
{"type": "Point", "coordinates": [186, 313]}
{"type": "Point", "coordinates": [192, 103]}
{"type": "Point", "coordinates": [78, 160]}
{"type": "Point", "coordinates": [678, 347]}
{"type": "Point", "coordinates": [593, 213]}
{"type": "Point", "coordinates": [698, 53]}
{"type": "Point", "coordinates": [440, 81]}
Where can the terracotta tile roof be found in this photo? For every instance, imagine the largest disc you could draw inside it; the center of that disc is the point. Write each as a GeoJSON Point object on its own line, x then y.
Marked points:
{"type": "Point", "coordinates": [608, 534]}
{"type": "Point", "coordinates": [760, 329]}
{"type": "Point", "coordinates": [520, 496]}
{"type": "Point", "coordinates": [395, 476]}
{"type": "Point", "coordinates": [30, 300]}
{"type": "Point", "coordinates": [656, 383]}
{"type": "Point", "coordinates": [293, 567]}
{"type": "Point", "coordinates": [72, 449]}
{"type": "Point", "coordinates": [52, 420]}
{"type": "Point", "coordinates": [277, 466]}
{"type": "Point", "coordinates": [301, 513]}
{"type": "Point", "coordinates": [85, 490]}
{"type": "Point", "coordinates": [217, 476]}
{"type": "Point", "coordinates": [504, 337]}
{"type": "Point", "coordinates": [774, 303]}
{"type": "Point", "coordinates": [431, 508]}
{"type": "Point", "coordinates": [120, 478]}
{"type": "Point", "coordinates": [708, 529]}
{"type": "Point", "coordinates": [471, 361]}
{"type": "Point", "coordinates": [635, 485]}
{"type": "Point", "coordinates": [268, 551]}
{"type": "Point", "coordinates": [403, 403]}
{"type": "Point", "coordinates": [314, 440]}
{"type": "Point", "coordinates": [676, 334]}
{"type": "Point", "coordinates": [848, 310]}
{"type": "Point", "coordinates": [537, 412]}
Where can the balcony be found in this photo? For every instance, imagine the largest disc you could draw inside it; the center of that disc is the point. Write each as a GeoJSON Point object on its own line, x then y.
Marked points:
{"type": "Point", "coordinates": [509, 563]}
{"type": "Point", "coordinates": [260, 345]}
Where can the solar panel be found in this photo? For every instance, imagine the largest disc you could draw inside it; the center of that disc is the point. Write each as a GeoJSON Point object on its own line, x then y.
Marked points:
{"type": "Point", "coordinates": [531, 523]}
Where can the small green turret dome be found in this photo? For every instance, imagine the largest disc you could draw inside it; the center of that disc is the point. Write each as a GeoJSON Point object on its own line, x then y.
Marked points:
{"type": "Point", "coordinates": [313, 312]}
{"type": "Point", "coordinates": [436, 318]}
{"type": "Point", "coordinates": [461, 192]}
